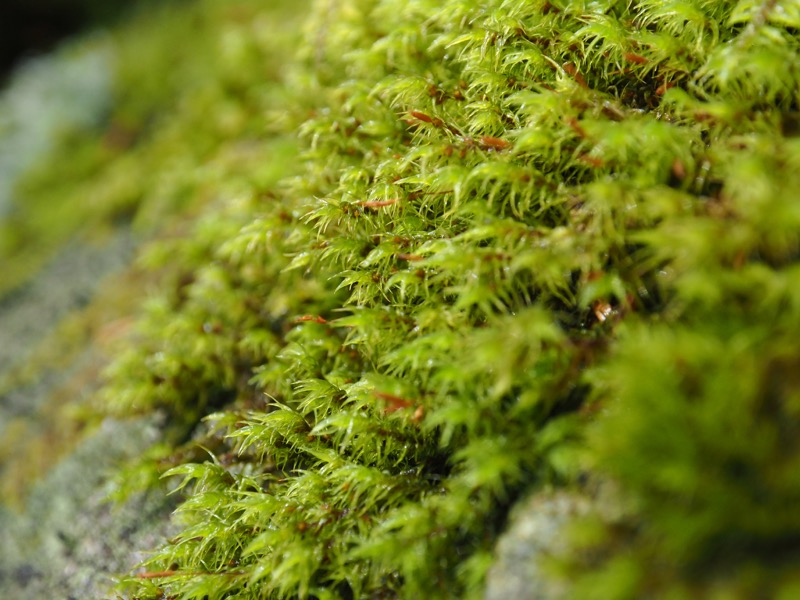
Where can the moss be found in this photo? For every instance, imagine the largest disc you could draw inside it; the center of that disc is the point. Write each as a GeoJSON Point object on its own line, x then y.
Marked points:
{"type": "Point", "coordinates": [521, 241]}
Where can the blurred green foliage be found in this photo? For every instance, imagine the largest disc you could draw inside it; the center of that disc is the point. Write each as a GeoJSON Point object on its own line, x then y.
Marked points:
{"type": "Point", "coordinates": [177, 72]}
{"type": "Point", "coordinates": [30, 29]}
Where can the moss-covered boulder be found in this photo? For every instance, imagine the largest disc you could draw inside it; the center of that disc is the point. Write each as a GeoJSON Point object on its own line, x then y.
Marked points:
{"type": "Point", "coordinates": [517, 246]}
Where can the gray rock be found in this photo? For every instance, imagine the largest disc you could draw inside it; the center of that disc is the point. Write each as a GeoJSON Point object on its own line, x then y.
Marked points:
{"type": "Point", "coordinates": [67, 283]}
{"type": "Point", "coordinates": [70, 542]}
{"type": "Point", "coordinates": [535, 533]}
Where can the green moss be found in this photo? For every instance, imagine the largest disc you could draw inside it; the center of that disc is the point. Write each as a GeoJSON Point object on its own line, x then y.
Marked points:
{"type": "Point", "coordinates": [523, 241]}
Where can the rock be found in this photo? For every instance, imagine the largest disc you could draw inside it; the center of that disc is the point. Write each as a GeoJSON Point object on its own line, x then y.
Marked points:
{"type": "Point", "coordinates": [70, 542]}
{"type": "Point", "coordinates": [535, 532]}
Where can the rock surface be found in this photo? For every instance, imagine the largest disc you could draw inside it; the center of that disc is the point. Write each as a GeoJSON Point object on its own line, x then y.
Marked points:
{"type": "Point", "coordinates": [69, 542]}
{"type": "Point", "coordinates": [535, 533]}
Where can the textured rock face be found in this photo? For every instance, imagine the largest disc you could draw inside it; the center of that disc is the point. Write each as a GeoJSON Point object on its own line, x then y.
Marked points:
{"type": "Point", "coordinates": [535, 532]}
{"type": "Point", "coordinates": [28, 314]}
{"type": "Point", "coordinates": [70, 542]}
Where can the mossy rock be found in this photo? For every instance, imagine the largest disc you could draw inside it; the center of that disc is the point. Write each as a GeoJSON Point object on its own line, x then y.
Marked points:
{"type": "Point", "coordinates": [518, 246]}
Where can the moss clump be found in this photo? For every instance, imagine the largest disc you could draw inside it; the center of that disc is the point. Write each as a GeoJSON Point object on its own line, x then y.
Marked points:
{"type": "Point", "coordinates": [526, 239]}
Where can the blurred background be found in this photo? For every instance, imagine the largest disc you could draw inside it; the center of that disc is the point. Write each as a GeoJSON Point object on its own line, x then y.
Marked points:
{"type": "Point", "coordinates": [32, 27]}
{"type": "Point", "coordinates": [120, 122]}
